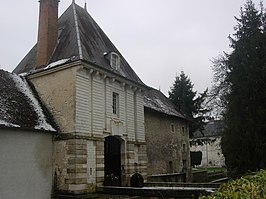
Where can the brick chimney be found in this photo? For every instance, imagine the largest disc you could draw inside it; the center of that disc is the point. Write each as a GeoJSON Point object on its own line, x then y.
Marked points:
{"type": "Point", "coordinates": [47, 33]}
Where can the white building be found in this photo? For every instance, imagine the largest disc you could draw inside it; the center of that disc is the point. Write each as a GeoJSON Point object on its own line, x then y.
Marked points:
{"type": "Point", "coordinates": [26, 149]}
{"type": "Point", "coordinates": [95, 97]}
{"type": "Point", "coordinates": [209, 143]}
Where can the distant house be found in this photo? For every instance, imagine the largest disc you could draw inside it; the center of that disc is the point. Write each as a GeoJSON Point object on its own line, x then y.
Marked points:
{"type": "Point", "coordinates": [26, 149]}
{"type": "Point", "coordinates": [209, 143]}
{"type": "Point", "coordinates": [167, 136]}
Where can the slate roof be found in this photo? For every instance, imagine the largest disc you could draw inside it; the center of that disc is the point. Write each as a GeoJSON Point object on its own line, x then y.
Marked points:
{"type": "Point", "coordinates": [80, 38]}
{"type": "Point", "coordinates": [19, 108]}
{"type": "Point", "coordinates": [212, 128]}
{"type": "Point", "coordinates": [156, 100]}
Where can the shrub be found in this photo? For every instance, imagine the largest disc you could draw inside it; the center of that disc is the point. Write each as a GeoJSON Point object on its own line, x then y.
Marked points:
{"type": "Point", "coordinates": [111, 180]}
{"type": "Point", "coordinates": [137, 180]}
{"type": "Point", "coordinates": [252, 186]}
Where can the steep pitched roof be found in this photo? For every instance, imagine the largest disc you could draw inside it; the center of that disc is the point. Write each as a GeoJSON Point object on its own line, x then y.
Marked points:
{"type": "Point", "coordinates": [212, 128]}
{"type": "Point", "coordinates": [156, 100]}
{"type": "Point", "coordinates": [19, 108]}
{"type": "Point", "coordinates": [80, 38]}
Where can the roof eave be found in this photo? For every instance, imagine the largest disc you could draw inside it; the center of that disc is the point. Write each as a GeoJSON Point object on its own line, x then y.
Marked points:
{"type": "Point", "coordinates": [160, 112]}
{"type": "Point", "coordinates": [27, 129]}
{"type": "Point", "coordinates": [89, 65]}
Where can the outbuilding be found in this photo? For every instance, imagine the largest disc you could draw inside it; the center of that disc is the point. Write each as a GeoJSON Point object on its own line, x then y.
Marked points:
{"type": "Point", "coordinates": [26, 135]}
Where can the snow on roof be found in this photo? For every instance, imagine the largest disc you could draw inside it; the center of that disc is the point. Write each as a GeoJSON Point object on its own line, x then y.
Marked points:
{"type": "Point", "coordinates": [2, 122]}
{"type": "Point", "coordinates": [57, 63]}
{"type": "Point", "coordinates": [19, 107]}
{"type": "Point", "coordinates": [157, 101]}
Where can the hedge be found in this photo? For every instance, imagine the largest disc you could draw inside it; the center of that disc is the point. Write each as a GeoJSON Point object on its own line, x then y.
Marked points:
{"type": "Point", "coordinates": [251, 186]}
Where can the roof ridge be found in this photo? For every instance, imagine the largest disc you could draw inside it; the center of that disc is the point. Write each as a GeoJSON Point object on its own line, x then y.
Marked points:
{"type": "Point", "coordinates": [77, 30]}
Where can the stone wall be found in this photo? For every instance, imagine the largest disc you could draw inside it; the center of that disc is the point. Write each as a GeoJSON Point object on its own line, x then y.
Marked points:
{"type": "Point", "coordinates": [167, 144]}
{"type": "Point", "coordinates": [210, 147]}
{"type": "Point", "coordinates": [57, 92]}
{"type": "Point", "coordinates": [80, 97]}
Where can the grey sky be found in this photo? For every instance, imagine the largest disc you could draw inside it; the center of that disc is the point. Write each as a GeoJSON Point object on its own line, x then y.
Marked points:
{"type": "Point", "coordinates": [158, 38]}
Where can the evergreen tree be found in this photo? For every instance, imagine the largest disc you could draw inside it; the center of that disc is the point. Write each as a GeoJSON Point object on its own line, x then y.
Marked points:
{"type": "Point", "coordinates": [183, 96]}
{"type": "Point", "coordinates": [241, 84]}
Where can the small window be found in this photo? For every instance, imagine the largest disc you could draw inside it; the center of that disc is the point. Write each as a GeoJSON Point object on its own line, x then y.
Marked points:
{"type": "Point", "coordinates": [183, 130]}
{"type": "Point", "coordinates": [172, 128]}
{"type": "Point", "coordinates": [115, 60]}
{"type": "Point", "coordinates": [171, 168]}
{"type": "Point", "coordinates": [184, 164]}
{"type": "Point", "coordinates": [115, 103]}
{"type": "Point", "coordinates": [184, 147]}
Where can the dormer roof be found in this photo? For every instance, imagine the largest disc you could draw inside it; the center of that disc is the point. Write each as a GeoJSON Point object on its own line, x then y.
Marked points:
{"type": "Point", "coordinates": [80, 38]}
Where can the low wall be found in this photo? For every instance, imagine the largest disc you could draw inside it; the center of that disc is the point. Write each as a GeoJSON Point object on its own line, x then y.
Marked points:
{"type": "Point", "coordinates": [200, 176]}
{"type": "Point", "coordinates": [145, 192]}
{"type": "Point", "coordinates": [178, 184]}
{"type": "Point", "coordinates": [172, 177]}
{"type": "Point", "coordinates": [216, 175]}
{"type": "Point", "coordinates": [161, 192]}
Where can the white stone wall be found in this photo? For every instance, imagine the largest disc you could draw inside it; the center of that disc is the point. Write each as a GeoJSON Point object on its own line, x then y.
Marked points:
{"type": "Point", "coordinates": [94, 114]}
{"type": "Point", "coordinates": [25, 164]}
{"type": "Point", "coordinates": [83, 104]}
{"type": "Point", "coordinates": [91, 162]}
{"type": "Point", "coordinates": [212, 155]}
{"type": "Point", "coordinates": [57, 92]}
{"type": "Point", "coordinates": [94, 119]}
{"type": "Point", "coordinates": [80, 97]}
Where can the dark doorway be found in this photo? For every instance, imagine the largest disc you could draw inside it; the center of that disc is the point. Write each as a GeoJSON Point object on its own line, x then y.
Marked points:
{"type": "Point", "coordinates": [112, 157]}
{"type": "Point", "coordinates": [170, 167]}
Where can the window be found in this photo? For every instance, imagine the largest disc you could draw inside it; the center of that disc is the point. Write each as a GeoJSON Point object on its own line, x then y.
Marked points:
{"type": "Point", "coordinates": [171, 168]}
{"type": "Point", "coordinates": [115, 103]}
{"type": "Point", "coordinates": [184, 165]}
{"type": "Point", "coordinates": [172, 128]}
{"type": "Point", "coordinates": [115, 61]}
{"type": "Point", "coordinates": [184, 148]}
{"type": "Point", "coordinates": [183, 130]}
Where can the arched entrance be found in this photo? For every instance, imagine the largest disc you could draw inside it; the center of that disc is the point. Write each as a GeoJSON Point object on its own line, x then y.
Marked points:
{"type": "Point", "coordinates": [112, 156]}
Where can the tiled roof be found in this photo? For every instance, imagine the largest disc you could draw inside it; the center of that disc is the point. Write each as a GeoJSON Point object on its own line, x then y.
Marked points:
{"type": "Point", "coordinates": [212, 128]}
{"type": "Point", "coordinates": [156, 100]}
{"type": "Point", "coordinates": [80, 38]}
{"type": "Point", "coordinates": [19, 108]}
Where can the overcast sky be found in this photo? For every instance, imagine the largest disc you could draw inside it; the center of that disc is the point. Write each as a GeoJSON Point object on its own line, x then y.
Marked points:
{"type": "Point", "coordinates": [158, 38]}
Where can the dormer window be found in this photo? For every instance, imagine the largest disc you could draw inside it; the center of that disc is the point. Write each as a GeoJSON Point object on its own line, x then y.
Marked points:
{"type": "Point", "coordinates": [114, 60]}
